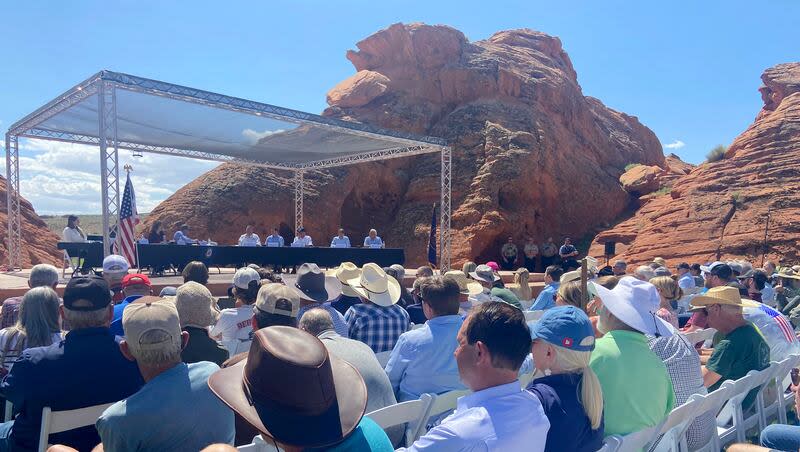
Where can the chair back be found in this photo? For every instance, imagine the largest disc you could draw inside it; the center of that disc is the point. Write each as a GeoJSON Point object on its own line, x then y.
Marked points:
{"type": "Point", "coordinates": [411, 413]}
{"type": "Point", "coordinates": [699, 336]}
{"type": "Point", "coordinates": [674, 427]}
{"type": "Point", "coordinates": [440, 404]}
{"type": "Point", "coordinates": [62, 421]}
{"type": "Point", "coordinates": [632, 442]}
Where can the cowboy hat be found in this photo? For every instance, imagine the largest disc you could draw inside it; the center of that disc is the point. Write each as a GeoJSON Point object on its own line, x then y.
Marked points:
{"type": "Point", "coordinates": [634, 303]}
{"type": "Point", "coordinates": [312, 284]}
{"type": "Point", "coordinates": [574, 275]}
{"type": "Point", "coordinates": [289, 382]}
{"type": "Point", "coordinates": [376, 286]}
{"type": "Point", "coordinates": [484, 273]}
{"type": "Point", "coordinates": [465, 286]}
{"type": "Point", "coordinates": [347, 270]}
{"type": "Point", "coordinates": [718, 295]}
{"type": "Point", "coordinates": [787, 272]}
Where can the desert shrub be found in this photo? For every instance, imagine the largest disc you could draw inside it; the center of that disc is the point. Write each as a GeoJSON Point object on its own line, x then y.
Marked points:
{"type": "Point", "coordinates": [716, 154]}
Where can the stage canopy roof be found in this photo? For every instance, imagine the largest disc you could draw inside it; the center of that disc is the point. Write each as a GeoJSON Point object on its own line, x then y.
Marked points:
{"type": "Point", "coordinates": [154, 116]}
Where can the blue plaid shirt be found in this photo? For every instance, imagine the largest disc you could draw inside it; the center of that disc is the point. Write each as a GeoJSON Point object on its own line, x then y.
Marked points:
{"type": "Point", "coordinates": [377, 326]}
{"type": "Point", "coordinates": [339, 323]}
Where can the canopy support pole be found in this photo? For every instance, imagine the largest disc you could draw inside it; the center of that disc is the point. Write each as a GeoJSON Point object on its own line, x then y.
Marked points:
{"type": "Point", "coordinates": [12, 199]}
{"type": "Point", "coordinates": [298, 200]}
{"type": "Point", "coordinates": [444, 228]}
{"type": "Point", "coordinates": [109, 159]}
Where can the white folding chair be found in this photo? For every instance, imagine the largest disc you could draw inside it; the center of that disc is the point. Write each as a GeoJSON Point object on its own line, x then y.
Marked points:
{"type": "Point", "coordinates": [673, 430]}
{"type": "Point", "coordinates": [9, 411]}
{"type": "Point", "coordinates": [788, 397]}
{"type": "Point", "coordinates": [410, 413]}
{"type": "Point", "coordinates": [440, 404]}
{"type": "Point", "coordinates": [731, 421]}
{"type": "Point", "coordinates": [383, 357]}
{"type": "Point", "coordinates": [533, 316]}
{"type": "Point", "coordinates": [772, 395]}
{"type": "Point", "coordinates": [258, 445]}
{"type": "Point", "coordinates": [62, 421]}
{"type": "Point", "coordinates": [632, 442]}
{"type": "Point", "coordinates": [696, 336]}
{"type": "Point", "coordinates": [713, 402]}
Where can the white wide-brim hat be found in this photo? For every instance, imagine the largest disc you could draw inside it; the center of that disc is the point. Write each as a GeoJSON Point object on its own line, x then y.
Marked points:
{"type": "Point", "coordinates": [344, 273]}
{"type": "Point", "coordinates": [376, 286]}
{"type": "Point", "coordinates": [635, 303]}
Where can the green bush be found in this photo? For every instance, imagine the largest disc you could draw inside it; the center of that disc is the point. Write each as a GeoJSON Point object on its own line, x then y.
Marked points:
{"type": "Point", "coordinates": [631, 165]}
{"type": "Point", "coordinates": [716, 154]}
{"type": "Point", "coordinates": [663, 191]}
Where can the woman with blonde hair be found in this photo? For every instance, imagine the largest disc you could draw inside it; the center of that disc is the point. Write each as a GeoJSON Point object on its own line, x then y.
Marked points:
{"type": "Point", "coordinates": [670, 293]}
{"type": "Point", "coordinates": [37, 326]}
{"type": "Point", "coordinates": [571, 396]}
{"type": "Point", "coordinates": [522, 288]}
{"type": "Point", "coordinates": [569, 294]}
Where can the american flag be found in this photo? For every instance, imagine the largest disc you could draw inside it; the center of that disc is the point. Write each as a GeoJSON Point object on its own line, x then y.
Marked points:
{"type": "Point", "coordinates": [125, 244]}
{"type": "Point", "coordinates": [785, 326]}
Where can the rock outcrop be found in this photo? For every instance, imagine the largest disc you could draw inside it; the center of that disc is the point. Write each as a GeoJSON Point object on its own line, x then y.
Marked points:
{"type": "Point", "coordinates": [531, 154]}
{"type": "Point", "coordinates": [38, 242]}
{"type": "Point", "coordinates": [722, 210]}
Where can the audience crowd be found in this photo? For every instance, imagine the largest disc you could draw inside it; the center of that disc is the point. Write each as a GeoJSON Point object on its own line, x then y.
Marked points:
{"type": "Point", "coordinates": [300, 359]}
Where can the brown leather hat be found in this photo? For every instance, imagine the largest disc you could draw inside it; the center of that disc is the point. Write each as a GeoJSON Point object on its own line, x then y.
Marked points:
{"type": "Point", "coordinates": [292, 390]}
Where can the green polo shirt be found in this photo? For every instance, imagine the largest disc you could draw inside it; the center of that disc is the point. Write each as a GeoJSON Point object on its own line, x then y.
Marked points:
{"type": "Point", "coordinates": [637, 390]}
{"type": "Point", "coordinates": [735, 354]}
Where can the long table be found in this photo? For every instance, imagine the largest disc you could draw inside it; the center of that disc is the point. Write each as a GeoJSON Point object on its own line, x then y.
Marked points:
{"type": "Point", "coordinates": [232, 256]}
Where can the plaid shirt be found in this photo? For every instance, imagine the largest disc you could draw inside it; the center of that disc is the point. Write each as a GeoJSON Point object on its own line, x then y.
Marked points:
{"type": "Point", "coordinates": [683, 366]}
{"type": "Point", "coordinates": [376, 326]}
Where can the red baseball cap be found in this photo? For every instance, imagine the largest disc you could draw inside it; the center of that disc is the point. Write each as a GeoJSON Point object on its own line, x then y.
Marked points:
{"type": "Point", "coordinates": [135, 279]}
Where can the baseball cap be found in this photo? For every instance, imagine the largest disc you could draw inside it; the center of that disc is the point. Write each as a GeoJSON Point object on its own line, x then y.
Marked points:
{"type": "Point", "coordinates": [565, 326]}
{"type": "Point", "coordinates": [87, 293]}
{"type": "Point", "coordinates": [154, 315]}
{"type": "Point", "coordinates": [718, 268]}
{"type": "Point", "coordinates": [115, 263]}
{"type": "Point", "coordinates": [278, 299]}
{"type": "Point", "coordinates": [244, 276]}
{"type": "Point", "coordinates": [135, 279]}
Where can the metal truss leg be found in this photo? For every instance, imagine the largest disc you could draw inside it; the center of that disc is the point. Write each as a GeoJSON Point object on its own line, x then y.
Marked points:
{"type": "Point", "coordinates": [444, 228]}
{"type": "Point", "coordinates": [109, 168]}
{"type": "Point", "coordinates": [298, 199]}
{"type": "Point", "coordinates": [13, 200]}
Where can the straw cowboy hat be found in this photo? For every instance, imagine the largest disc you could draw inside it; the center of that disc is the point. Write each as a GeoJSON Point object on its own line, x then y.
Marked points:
{"type": "Point", "coordinates": [376, 286]}
{"type": "Point", "coordinates": [635, 303]}
{"type": "Point", "coordinates": [312, 284]}
{"type": "Point", "coordinates": [343, 273]}
{"type": "Point", "coordinates": [717, 295]}
{"type": "Point", "coordinates": [465, 286]}
{"type": "Point", "coordinates": [317, 401]}
{"type": "Point", "coordinates": [788, 273]}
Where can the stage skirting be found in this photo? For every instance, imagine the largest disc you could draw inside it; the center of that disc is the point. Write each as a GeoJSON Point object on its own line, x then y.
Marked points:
{"type": "Point", "coordinates": [235, 256]}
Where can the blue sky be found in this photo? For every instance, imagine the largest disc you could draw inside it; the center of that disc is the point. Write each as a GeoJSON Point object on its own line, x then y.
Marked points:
{"type": "Point", "coordinates": [688, 69]}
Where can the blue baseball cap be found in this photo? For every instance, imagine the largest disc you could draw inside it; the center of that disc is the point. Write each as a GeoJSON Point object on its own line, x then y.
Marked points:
{"type": "Point", "coordinates": [565, 326]}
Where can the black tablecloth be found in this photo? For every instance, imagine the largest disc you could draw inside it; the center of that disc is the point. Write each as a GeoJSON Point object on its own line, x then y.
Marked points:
{"type": "Point", "coordinates": [224, 256]}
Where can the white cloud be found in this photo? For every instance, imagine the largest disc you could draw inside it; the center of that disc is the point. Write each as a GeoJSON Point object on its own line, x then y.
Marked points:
{"type": "Point", "coordinates": [59, 178]}
{"type": "Point", "coordinates": [253, 136]}
{"type": "Point", "coordinates": [677, 144]}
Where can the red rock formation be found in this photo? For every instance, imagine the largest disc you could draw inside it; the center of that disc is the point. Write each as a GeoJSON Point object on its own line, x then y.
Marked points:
{"type": "Point", "coordinates": [531, 154]}
{"type": "Point", "coordinates": [38, 242]}
{"type": "Point", "coordinates": [719, 210]}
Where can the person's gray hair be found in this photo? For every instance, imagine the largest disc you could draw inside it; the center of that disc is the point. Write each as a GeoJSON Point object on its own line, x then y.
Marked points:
{"type": "Point", "coordinates": [78, 320]}
{"type": "Point", "coordinates": [315, 321]}
{"type": "Point", "coordinates": [168, 351]}
{"type": "Point", "coordinates": [644, 273]}
{"type": "Point", "coordinates": [43, 275]}
{"type": "Point", "coordinates": [401, 272]}
{"type": "Point", "coordinates": [373, 230]}
{"type": "Point", "coordinates": [620, 263]}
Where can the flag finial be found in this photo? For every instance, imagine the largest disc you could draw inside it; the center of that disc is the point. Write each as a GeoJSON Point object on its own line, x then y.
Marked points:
{"type": "Point", "coordinates": [128, 168]}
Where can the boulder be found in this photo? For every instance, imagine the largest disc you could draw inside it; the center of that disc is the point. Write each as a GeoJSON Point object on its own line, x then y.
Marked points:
{"type": "Point", "coordinates": [38, 242]}
{"type": "Point", "coordinates": [641, 179]}
{"type": "Point", "coordinates": [724, 209]}
{"type": "Point", "coordinates": [532, 156]}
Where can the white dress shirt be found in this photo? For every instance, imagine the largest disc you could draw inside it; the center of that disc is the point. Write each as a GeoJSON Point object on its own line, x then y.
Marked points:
{"type": "Point", "coordinates": [249, 240]}
{"type": "Point", "coordinates": [302, 242]}
{"type": "Point", "coordinates": [72, 235]}
{"type": "Point", "coordinates": [501, 418]}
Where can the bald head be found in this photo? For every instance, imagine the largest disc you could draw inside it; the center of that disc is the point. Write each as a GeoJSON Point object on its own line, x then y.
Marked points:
{"type": "Point", "coordinates": [315, 321]}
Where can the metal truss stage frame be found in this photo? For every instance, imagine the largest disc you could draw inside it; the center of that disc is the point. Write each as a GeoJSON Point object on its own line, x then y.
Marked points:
{"type": "Point", "coordinates": [106, 86]}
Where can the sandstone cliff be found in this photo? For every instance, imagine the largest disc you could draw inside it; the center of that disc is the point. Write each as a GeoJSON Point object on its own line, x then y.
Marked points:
{"type": "Point", "coordinates": [531, 154]}
{"type": "Point", "coordinates": [720, 209]}
{"type": "Point", "coordinates": [38, 242]}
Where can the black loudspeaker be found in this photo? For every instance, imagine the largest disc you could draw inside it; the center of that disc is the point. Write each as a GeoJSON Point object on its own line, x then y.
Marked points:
{"type": "Point", "coordinates": [611, 248]}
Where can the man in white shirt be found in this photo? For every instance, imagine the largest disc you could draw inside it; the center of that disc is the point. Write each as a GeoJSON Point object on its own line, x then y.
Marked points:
{"type": "Point", "coordinates": [372, 240]}
{"type": "Point", "coordinates": [499, 415]}
{"type": "Point", "coordinates": [685, 278]}
{"type": "Point", "coordinates": [249, 238]}
{"type": "Point", "coordinates": [301, 239]}
{"type": "Point", "coordinates": [341, 240]}
{"type": "Point", "coordinates": [181, 237]}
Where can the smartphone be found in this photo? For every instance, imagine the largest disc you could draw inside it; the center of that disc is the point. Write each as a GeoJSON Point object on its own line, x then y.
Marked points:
{"type": "Point", "coordinates": [795, 376]}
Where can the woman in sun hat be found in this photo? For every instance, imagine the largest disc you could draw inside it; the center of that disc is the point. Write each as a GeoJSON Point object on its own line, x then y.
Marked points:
{"type": "Point", "coordinates": [563, 340]}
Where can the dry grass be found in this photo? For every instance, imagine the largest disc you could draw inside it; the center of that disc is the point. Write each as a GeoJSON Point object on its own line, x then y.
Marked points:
{"type": "Point", "coordinates": [91, 224]}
